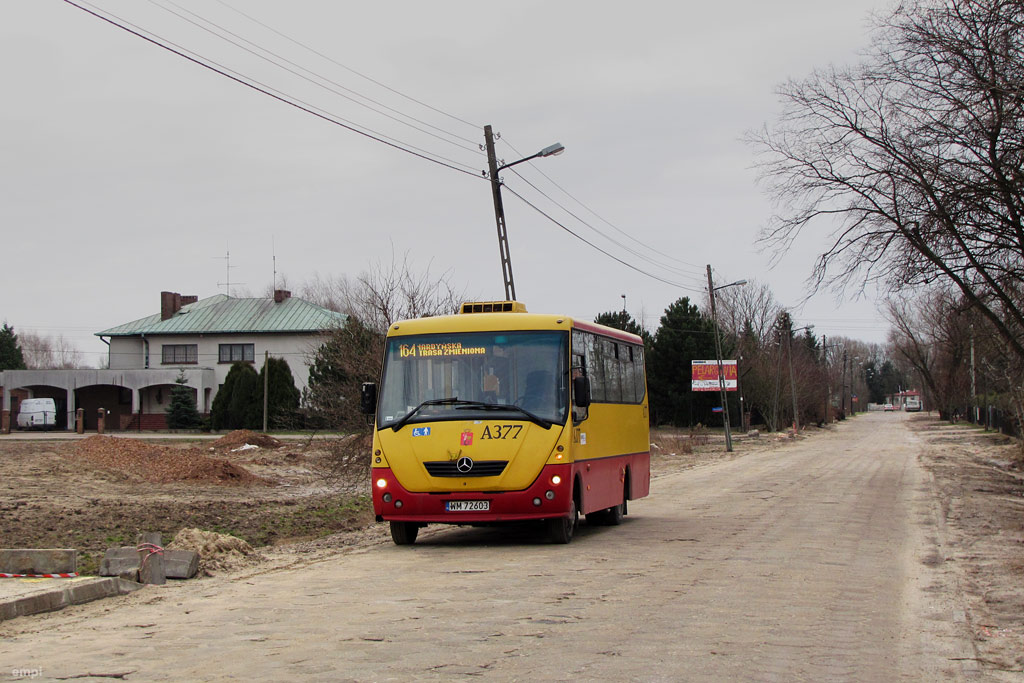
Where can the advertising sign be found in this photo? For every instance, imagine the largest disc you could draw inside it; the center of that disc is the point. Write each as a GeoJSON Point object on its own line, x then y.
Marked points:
{"type": "Point", "coordinates": [705, 375]}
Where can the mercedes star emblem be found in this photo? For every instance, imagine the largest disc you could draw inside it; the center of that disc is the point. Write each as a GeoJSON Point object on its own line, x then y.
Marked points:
{"type": "Point", "coordinates": [464, 465]}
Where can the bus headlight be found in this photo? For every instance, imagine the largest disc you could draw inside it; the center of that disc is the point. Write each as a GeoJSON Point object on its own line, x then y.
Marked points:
{"type": "Point", "coordinates": [536, 502]}
{"type": "Point", "coordinates": [382, 483]}
{"type": "Point", "coordinates": [387, 497]}
{"type": "Point", "coordinates": [556, 480]}
{"type": "Point", "coordinates": [550, 495]}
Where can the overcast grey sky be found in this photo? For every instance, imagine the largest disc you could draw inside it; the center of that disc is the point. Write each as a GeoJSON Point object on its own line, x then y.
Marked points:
{"type": "Point", "coordinates": [127, 170]}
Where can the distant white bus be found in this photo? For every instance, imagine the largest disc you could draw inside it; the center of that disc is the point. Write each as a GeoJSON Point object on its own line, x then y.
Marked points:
{"type": "Point", "coordinates": [37, 413]}
{"type": "Point", "coordinates": [912, 405]}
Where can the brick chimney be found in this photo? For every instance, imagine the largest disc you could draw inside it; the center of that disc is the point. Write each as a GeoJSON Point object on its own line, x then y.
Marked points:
{"type": "Point", "coordinates": [189, 299]}
{"type": "Point", "coordinates": [281, 294]}
{"type": "Point", "coordinates": [170, 303]}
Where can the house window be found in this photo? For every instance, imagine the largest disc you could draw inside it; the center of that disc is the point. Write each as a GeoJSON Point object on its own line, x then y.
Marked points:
{"type": "Point", "coordinates": [180, 354]}
{"type": "Point", "coordinates": [232, 353]}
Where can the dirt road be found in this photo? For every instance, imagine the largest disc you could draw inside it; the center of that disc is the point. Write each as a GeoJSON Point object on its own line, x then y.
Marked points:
{"type": "Point", "coordinates": [813, 562]}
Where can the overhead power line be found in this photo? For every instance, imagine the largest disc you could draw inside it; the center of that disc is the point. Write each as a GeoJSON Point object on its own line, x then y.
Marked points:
{"type": "Point", "coordinates": [474, 126]}
{"type": "Point", "coordinates": [632, 251]}
{"type": "Point", "coordinates": [474, 145]}
{"type": "Point", "coordinates": [594, 246]}
{"type": "Point", "coordinates": [271, 92]}
{"type": "Point", "coordinates": [695, 269]}
{"type": "Point", "coordinates": [364, 131]}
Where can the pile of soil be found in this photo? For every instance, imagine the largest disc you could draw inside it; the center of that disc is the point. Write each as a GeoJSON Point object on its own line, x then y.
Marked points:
{"type": "Point", "coordinates": [217, 552]}
{"type": "Point", "coordinates": [160, 464]}
{"type": "Point", "coordinates": [241, 437]}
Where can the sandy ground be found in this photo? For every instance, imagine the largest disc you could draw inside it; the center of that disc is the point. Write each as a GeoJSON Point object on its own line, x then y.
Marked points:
{"type": "Point", "coordinates": [63, 494]}
{"type": "Point", "coordinates": [888, 548]}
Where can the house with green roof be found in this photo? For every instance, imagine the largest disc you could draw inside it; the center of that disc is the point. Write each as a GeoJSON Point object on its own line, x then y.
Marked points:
{"type": "Point", "coordinates": [202, 337]}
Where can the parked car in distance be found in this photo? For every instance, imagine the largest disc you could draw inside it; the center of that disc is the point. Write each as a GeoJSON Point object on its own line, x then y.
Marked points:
{"type": "Point", "coordinates": [37, 413]}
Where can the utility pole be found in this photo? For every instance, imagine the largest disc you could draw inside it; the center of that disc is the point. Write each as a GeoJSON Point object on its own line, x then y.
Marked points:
{"type": "Point", "coordinates": [266, 384]}
{"type": "Point", "coordinates": [792, 379]}
{"type": "Point", "coordinates": [499, 209]}
{"type": "Point", "coordinates": [499, 216]}
{"type": "Point", "coordinates": [842, 398]}
{"type": "Point", "coordinates": [828, 379]}
{"type": "Point", "coordinates": [721, 370]}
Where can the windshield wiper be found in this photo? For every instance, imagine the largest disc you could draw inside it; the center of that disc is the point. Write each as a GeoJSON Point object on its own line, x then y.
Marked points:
{"type": "Point", "coordinates": [402, 421]}
{"type": "Point", "coordinates": [470, 405]}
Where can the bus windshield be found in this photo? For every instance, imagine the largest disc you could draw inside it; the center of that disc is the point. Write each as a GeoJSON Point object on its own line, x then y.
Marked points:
{"type": "Point", "coordinates": [475, 375]}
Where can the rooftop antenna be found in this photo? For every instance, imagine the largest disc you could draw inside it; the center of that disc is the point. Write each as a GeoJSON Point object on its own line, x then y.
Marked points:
{"type": "Point", "coordinates": [227, 272]}
{"type": "Point", "coordinates": [273, 256]}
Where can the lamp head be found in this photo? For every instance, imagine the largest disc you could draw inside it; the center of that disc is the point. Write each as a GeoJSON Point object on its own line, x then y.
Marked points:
{"type": "Point", "coordinates": [552, 150]}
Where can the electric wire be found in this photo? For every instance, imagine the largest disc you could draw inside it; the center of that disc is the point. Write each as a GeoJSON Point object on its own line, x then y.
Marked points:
{"type": "Point", "coordinates": [347, 68]}
{"type": "Point", "coordinates": [599, 217]}
{"type": "Point", "coordinates": [272, 92]}
{"type": "Point", "coordinates": [475, 148]}
{"type": "Point", "coordinates": [632, 251]}
{"type": "Point", "coordinates": [594, 246]}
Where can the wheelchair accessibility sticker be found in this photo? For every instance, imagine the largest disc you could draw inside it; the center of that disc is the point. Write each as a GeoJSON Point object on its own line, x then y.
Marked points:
{"type": "Point", "coordinates": [421, 431]}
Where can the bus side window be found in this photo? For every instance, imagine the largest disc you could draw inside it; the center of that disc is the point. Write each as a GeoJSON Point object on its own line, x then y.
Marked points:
{"type": "Point", "coordinates": [579, 368]}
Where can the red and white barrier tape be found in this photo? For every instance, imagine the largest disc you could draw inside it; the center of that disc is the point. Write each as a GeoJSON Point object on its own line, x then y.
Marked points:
{"type": "Point", "coordinates": [72, 575]}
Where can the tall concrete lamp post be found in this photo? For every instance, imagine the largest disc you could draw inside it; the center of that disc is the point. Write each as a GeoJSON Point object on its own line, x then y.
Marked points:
{"type": "Point", "coordinates": [499, 209]}
{"type": "Point", "coordinates": [718, 354]}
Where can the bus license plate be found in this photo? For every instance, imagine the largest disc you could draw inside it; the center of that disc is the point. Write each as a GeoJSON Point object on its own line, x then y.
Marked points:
{"type": "Point", "coordinates": [467, 505]}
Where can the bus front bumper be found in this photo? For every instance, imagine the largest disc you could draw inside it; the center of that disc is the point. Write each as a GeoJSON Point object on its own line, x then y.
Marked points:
{"type": "Point", "coordinates": [542, 500]}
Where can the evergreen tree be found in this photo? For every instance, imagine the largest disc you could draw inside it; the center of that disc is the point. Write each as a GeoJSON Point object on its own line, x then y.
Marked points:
{"type": "Point", "coordinates": [685, 334]}
{"type": "Point", "coordinates": [282, 396]}
{"type": "Point", "coordinates": [10, 351]}
{"type": "Point", "coordinates": [621, 320]}
{"type": "Point", "coordinates": [238, 404]}
{"type": "Point", "coordinates": [350, 356]}
{"type": "Point", "coordinates": [182, 412]}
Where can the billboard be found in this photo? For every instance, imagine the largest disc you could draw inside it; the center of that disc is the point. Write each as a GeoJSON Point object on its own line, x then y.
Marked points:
{"type": "Point", "coordinates": [705, 375]}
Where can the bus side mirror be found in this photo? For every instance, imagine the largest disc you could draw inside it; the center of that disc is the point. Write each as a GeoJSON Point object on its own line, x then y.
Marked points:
{"type": "Point", "coordinates": [368, 398]}
{"type": "Point", "coordinates": [581, 391]}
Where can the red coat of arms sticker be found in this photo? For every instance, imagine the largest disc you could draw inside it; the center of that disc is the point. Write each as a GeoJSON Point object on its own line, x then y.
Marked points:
{"type": "Point", "coordinates": [467, 438]}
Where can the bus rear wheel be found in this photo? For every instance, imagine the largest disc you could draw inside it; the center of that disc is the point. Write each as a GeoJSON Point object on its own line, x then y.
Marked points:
{"type": "Point", "coordinates": [613, 516]}
{"type": "Point", "coordinates": [404, 533]}
{"type": "Point", "coordinates": [561, 530]}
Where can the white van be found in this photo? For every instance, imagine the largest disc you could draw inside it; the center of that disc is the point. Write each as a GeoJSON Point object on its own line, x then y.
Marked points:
{"type": "Point", "coordinates": [912, 405]}
{"type": "Point", "coordinates": [37, 413]}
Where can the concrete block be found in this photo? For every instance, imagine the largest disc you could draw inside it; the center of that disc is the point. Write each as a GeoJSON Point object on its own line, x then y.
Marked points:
{"type": "Point", "coordinates": [151, 569]}
{"type": "Point", "coordinates": [123, 562]}
{"type": "Point", "coordinates": [40, 602]}
{"type": "Point", "coordinates": [38, 561]}
{"type": "Point", "coordinates": [181, 564]}
{"type": "Point", "coordinates": [94, 590]}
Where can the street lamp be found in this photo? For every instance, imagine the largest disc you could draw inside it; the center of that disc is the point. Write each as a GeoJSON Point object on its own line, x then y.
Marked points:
{"type": "Point", "coordinates": [718, 353]}
{"type": "Point", "coordinates": [499, 209]}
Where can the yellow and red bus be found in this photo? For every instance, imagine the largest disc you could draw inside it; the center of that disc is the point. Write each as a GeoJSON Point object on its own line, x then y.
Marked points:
{"type": "Point", "coordinates": [498, 415]}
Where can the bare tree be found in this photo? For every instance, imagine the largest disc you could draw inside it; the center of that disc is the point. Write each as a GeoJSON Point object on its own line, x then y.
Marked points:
{"type": "Point", "coordinates": [386, 293]}
{"type": "Point", "coordinates": [348, 356]}
{"type": "Point", "coordinates": [914, 158]}
{"type": "Point", "coordinates": [932, 333]}
{"type": "Point", "coordinates": [45, 352]}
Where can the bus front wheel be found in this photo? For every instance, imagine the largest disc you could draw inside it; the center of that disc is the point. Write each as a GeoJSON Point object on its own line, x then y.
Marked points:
{"type": "Point", "coordinates": [561, 530]}
{"type": "Point", "coordinates": [404, 533]}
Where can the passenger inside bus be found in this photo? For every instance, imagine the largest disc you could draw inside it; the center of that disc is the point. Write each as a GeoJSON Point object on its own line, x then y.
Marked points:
{"type": "Point", "coordinates": [540, 396]}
